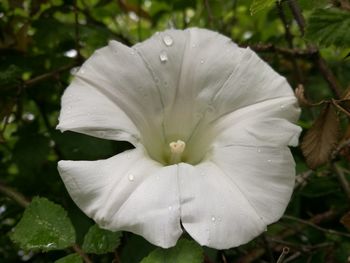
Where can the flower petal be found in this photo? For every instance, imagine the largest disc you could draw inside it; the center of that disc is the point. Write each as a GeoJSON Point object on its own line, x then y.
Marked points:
{"type": "Point", "coordinates": [86, 110]}
{"type": "Point", "coordinates": [265, 176]}
{"type": "Point", "coordinates": [127, 192]}
{"type": "Point", "coordinates": [198, 62]}
{"type": "Point", "coordinates": [214, 211]}
{"type": "Point", "coordinates": [115, 83]}
{"type": "Point", "coordinates": [267, 123]}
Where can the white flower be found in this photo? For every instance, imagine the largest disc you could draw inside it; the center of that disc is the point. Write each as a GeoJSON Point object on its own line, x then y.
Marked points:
{"type": "Point", "coordinates": [211, 124]}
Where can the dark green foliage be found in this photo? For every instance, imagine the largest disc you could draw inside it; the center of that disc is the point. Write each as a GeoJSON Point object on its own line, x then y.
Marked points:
{"type": "Point", "coordinates": [184, 251]}
{"type": "Point", "coordinates": [329, 27]}
{"type": "Point", "coordinates": [73, 258]}
{"type": "Point", "coordinates": [42, 42]}
{"type": "Point", "coordinates": [44, 226]}
{"type": "Point", "coordinates": [100, 241]}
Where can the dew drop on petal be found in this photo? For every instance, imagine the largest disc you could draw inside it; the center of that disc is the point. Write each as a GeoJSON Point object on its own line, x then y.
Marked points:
{"type": "Point", "coordinates": [258, 150]}
{"type": "Point", "coordinates": [74, 70]}
{"type": "Point", "coordinates": [82, 71]}
{"type": "Point", "coordinates": [170, 208]}
{"type": "Point", "coordinates": [163, 57]}
{"type": "Point", "coordinates": [202, 61]}
{"type": "Point", "coordinates": [213, 218]}
{"type": "Point", "coordinates": [101, 134]}
{"type": "Point", "coordinates": [168, 41]}
{"type": "Point", "coordinates": [282, 107]}
{"type": "Point", "coordinates": [131, 177]}
{"type": "Point", "coordinates": [269, 161]}
{"type": "Point", "coordinates": [194, 45]}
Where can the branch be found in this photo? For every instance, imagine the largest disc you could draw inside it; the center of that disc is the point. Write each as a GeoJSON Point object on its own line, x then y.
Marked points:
{"type": "Point", "coordinates": [256, 253]}
{"type": "Point", "coordinates": [328, 75]}
{"type": "Point", "coordinates": [308, 223]}
{"type": "Point", "coordinates": [289, 39]}
{"type": "Point", "coordinates": [14, 195]}
{"type": "Point", "coordinates": [299, 18]}
{"type": "Point", "coordinates": [46, 76]}
{"type": "Point", "coordinates": [342, 180]}
{"type": "Point", "coordinates": [288, 52]}
{"type": "Point", "coordinates": [81, 253]}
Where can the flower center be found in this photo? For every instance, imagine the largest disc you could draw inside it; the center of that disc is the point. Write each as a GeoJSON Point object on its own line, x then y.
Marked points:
{"type": "Point", "coordinates": [176, 150]}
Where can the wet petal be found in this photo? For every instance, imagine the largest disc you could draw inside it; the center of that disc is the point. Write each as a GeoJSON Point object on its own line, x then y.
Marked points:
{"type": "Point", "coordinates": [197, 64]}
{"type": "Point", "coordinates": [214, 211]}
{"type": "Point", "coordinates": [127, 192]}
{"type": "Point", "coordinates": [264, 175]}
{"type": "Point", "coordinates": [267, 123]}
{"type": "Point", "coordinates": [114, 82]}
{"type": "Point", "coordinates": [88, 111]}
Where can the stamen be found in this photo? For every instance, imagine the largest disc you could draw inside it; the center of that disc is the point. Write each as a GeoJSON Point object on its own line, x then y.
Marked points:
{"type": "Point", "coordinates": [176, 149]}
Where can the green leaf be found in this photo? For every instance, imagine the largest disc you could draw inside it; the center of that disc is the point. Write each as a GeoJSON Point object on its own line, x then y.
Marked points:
{"type": "Point", "coordinates": [329, 27]}
{"type": "Point", "coordinates": [44, 226]}
{"type": "Point", "coordinates": [184, 251]}
{"type": "Point", "coordinates": [72, 258]}
{"type": "Point", "coordinates": [258, 5]}
{"type": "Point", "coordinates": [101, 241]}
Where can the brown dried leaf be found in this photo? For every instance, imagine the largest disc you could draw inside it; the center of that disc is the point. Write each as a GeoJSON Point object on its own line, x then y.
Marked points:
{"type": "Point", "coordinates": [345, 220]}
{"type": "Point", "coordinates": [321, 138]}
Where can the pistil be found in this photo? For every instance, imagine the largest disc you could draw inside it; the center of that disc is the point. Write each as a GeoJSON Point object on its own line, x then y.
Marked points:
{"type": "Point", "coordinates": [176, 150]}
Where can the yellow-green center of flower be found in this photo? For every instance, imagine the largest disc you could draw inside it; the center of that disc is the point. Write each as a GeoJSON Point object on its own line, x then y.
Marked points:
{"type": "Point", "coordinates": [176, 150]}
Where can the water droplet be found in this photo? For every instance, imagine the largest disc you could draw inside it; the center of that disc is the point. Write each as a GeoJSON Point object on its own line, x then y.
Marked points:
{"type": "Point", "coordinates": [101, 134]}
{"type": "Point", "coordinates": [282, 107]}
{"type": "Point", "coordinates": [219, 219]}
{"type": "Point", "coordinates": [163, 57]}
{"type": "Point", "coordinates": [259, 150]}
{"type": "Point", "coordinates": [168, 41]}
{"type": "Point", "coordinates": [202, 61]}
{"type": "Point", "coordinates": [74, 70]}
{"type": "Point", "coordinates": [82, 71]}
{"type": "Point", "coordinates": [131, 177]}
{"type": "Point", "coordinates": [269, 161]}
{"type": "Point", "coordinates": [194, 45]}
{"type": "Point", "coordinates": [132, 52]}
{"type": "Point", "coordinates": [211, 108]}
{"type": "Point", "coordinates": [170, 208]}
{"type": "Point", "coordinates": [213, 218]}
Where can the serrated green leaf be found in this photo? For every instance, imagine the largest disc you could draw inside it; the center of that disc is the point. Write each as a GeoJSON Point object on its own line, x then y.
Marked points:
{"type": "Point", "coordinates": [258, 5]}
{"type": "Point", "coordinates": [185, 251]}
{"type": "Point", "coordinates": [329, 27]}
{"type": "Point", "coordinates": [44, 226]}
{"type": "Point", "coordinates": [72, 258]}
{"type": "Point", "coordinates": [101, 241]}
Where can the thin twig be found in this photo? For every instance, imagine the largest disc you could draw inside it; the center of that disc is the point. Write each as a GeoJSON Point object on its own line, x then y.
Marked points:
{"type": "Point", "coordinates": [268, 248]}
{"type": "Point", "coordinates": [285, 251]}
{"type": "Point", "coordinates": [46, 76]}
{"type": "Point", "coordinates": [210, 15]}
{"type": "Point", "coordinates": [77, 31]}
{"type": "Point", "coordinates": [296, 11]}
{"type": "Point", "coordinates": [288, 52]}
{"type": "Point", "coordinates": [14, 195]}
{"type": "Point", "coordinates": [81, 253]}
{"type": "Point", "coordinates": [256, 253]}
{"type": "Point", "coordinates": [328, 75]}
{"type": "Point", "coordinates": [342, 180]}
{"type": "Point", "coordinates": [318, 60]}
{"type": "Point", "coordinates": [289, 39]}
{"type": "Point", "coordinates": [308, 223]}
